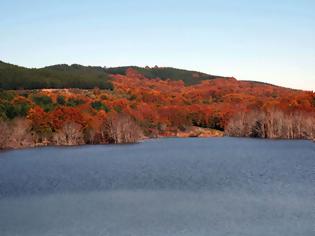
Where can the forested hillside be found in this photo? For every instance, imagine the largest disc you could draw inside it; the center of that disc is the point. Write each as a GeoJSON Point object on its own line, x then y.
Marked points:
{"type": "Point", "coordinates": [58, 76]}
{"type": "Point", "coordinates": [71, 105]}
{"type": "Point", "coordinates": [85, 77]}
{"type": "Point", "coordinates": [164, 73]}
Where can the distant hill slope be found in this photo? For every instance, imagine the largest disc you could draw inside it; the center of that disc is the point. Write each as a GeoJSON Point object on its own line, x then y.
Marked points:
{"type": "Point", "coordinates": [189, 77]}
{"type": "Point", "coordinates": [86, 77]}
{"type": "Point", "coordinates": [58, 76]}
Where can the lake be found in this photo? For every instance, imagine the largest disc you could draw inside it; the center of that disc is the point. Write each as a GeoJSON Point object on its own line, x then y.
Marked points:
{"type": "Point", "coordinates": [161, 187]}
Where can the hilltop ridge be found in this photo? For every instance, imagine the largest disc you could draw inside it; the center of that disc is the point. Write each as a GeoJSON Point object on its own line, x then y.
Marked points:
{"type": "Point", "coordinates": [87, 77]}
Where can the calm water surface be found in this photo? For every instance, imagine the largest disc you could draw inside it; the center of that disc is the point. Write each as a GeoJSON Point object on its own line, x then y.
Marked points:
{"type": "Point", "coordinates": [215, 186]}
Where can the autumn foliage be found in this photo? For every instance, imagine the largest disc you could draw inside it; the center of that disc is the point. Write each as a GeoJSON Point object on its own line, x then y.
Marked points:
{"type": "Point", "coordinates": [139, 106]}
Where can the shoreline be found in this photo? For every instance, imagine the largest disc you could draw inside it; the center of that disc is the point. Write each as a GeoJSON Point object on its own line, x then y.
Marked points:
{"type": "Point", "coordinates": [143, 140]}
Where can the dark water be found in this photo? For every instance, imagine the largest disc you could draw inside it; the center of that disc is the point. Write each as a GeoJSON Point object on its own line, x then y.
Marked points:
{"type": "Point", "coordinates": [216, 186]}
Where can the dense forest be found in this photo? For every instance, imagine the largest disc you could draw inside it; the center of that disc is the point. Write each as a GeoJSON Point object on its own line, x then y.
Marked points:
{"type": "Point", "coordinates": [85, 77]}
{"type": "Point", "coordinates": [58, 76]}
{"type": "Point", "coordinates": [72, 105]}
{"type": "Point", "coordinates": [165, 73]}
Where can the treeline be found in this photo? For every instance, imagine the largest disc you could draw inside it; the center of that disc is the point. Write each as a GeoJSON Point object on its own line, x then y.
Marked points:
{"type": "Point", "coordinates": [164, 73]}
{"type": "Point", "coordinates": [272, 123]}
{"type": "Point", "coordinates": [86, 77]}
{"type": "Point", "coordinates": [22, 132]}
{"type": "Point", "coordinates": [59, 76]}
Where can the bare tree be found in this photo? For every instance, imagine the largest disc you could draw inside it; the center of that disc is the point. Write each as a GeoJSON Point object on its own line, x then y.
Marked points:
{"type": "Point", "coordinates": [4, 134]}
{"type": "Point", "coordinates": [121, 128]}
{"type": "Point", "coordinates": [272, 123]}
{"type": "Point", "coordinates": [20, 133]}
{"type": "Point", "coordinates": [70, 134]}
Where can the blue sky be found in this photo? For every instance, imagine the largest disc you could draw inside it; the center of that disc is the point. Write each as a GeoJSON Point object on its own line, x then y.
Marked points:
{"type": "Point", "coordinates": [271, 41]}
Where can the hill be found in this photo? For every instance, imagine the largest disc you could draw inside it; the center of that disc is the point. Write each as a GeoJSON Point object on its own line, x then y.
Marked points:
{"type": "Point", "coordinates": [58, 76]}
{"type": "Point", "coordinates": [164, 73]}
{"type": "Point", "coordinates": [71, 105]}
{"type": "Point", "coordinates": [86, 77]}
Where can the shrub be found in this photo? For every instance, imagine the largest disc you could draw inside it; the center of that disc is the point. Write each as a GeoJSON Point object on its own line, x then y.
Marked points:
{"type": "Point", "coordinates": [118, 109]}
{"type": "Point", "coordinates": [45, 102]}
{"type": "Point", "coordinates": [73, 102]}
{"type": "Point", "coordinates": [10, 111]}
{"type": "Point", "coordinates": [98, 105]}
{"type": "Point", "coordinates": [61, 100]}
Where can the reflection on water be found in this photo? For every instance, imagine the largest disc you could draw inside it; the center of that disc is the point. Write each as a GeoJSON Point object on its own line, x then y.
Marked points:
{"type": "Point", "coordinates": [216, 186]}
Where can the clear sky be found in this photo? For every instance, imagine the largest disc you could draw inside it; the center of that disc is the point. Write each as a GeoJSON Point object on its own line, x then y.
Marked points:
{"type": "Point", "coordinates": [268, 40]}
